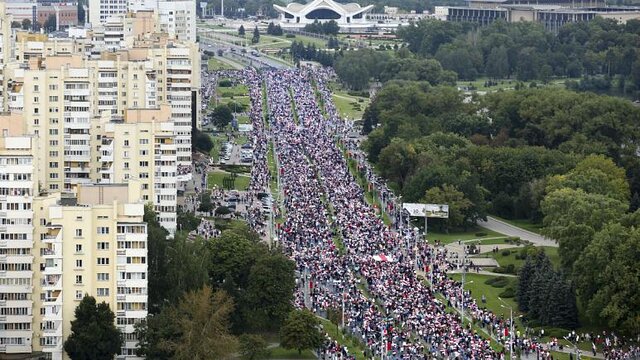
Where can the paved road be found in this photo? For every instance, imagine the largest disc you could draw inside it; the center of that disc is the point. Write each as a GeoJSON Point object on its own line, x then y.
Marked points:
{"type": "Point", "coordinates": [510, 230]}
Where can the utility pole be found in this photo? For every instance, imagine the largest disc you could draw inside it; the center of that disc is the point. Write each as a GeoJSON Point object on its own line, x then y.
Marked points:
{"type": "Point", "coordinates": [464, 260]}
{"type": "Point", "coordinates": [343, 296]}
{"type": "Point", "coordinates": [505, 306]}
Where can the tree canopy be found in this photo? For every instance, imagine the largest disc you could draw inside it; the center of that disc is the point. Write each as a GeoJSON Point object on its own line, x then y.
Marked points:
{"type": "Point", "coordinates": [93, 332]}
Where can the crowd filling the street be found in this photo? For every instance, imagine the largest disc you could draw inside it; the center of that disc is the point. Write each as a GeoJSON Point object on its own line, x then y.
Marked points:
{"type": "Point", "coordinates": [389, 284]}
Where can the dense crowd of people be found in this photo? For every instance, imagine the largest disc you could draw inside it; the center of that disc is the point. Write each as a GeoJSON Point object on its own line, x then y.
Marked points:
{"type": "Point", "coordinates": [350, 259]}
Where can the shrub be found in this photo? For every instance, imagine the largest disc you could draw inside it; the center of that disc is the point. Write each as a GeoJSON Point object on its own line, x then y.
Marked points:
{"type": "Point", "coordinates": [499, 270]}
{"type": "Point", "coordinates": [510, 269]}
{"type": "Point", "coordinates": [506, 252]}
{"type": "Point", "coordinates": [481, 234]}
{"type": "Point", "coordinates": [508, 293]}
{"type": "Point", "coordinates": [513, 240]}
{"type": "Point", "coordinates": [498, 282]}
{"type": "Point", "coordinates": [290, 36]}
{"type": "Point", "coordinates": [225, 83]}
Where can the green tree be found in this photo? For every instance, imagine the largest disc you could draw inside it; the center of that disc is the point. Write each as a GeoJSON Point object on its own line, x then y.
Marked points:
{"type": "Point", "coordinates": [270, 288]}
{"type": "Point", "coordinates": [607, 278]}
{"type": "Point", "coordinates": [221, 116]}
{"type": "Point", "coordinates": [187, 221]}
{"type": "Point", "coordinates": [572, 216]}
{"type": "Point", "coordinates": [301, 331]}
{"type": "Point", "coordinates": [155, 332]}
{"type": "Point", "coordinates": [157, 255]}
{"type": "Point", "coordinates": [596, 174]}
{"type": "Point", "coordinates": [203, 319]}
{"type": "Point", "coordinates": [50, 24]}
{"type": "Point", "coordinates": [202, 141]}
{"type": "Point", "coordinates": [26, 24]}
{"type": "Point", "coordinates": [397, 161]}
{"type": "Point", "coordinates": [256, 36]}
{"type": "Point", "coordinates": [498, 63]}
{"type": "Point", "coordinates": [241, 30]}
{"type": "Point", "coordinates": [253, 347]}
{"type": "Point", "coordinates": [15, 25]}
{"type": "Point", "coordinates": [459, 206]}
{"type": "Point", "coordinates": [93, 332]}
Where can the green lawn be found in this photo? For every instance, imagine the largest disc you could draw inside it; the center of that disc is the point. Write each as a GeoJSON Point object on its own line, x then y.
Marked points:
{"type": "Point", "coordinates": [232, 91]}
{"type": "Point", "coordinates": [218, 178]}
{"type": "Point", "coordinates": [335, 334]}
{"type": "Point", "coordinates": [476, 284]}
{"type": "Point", "coordinates": [467, 235]}
{"type": "Point", "coordinates": [349, 107]}
{"type": "Point", "coordinates": [521, 223]}
{"type": "Point", "coordinates": [217, 139]}
{"type": "Point", "coordinates": [215, 64]}
{"type": "Point", "coordinates": [240, 99]}
{"type": "Point", "coordinates": [243, 119]}
{"type": "Point", "coordinates": [282, 353]}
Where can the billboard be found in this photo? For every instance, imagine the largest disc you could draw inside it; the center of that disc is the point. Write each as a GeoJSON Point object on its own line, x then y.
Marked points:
{"type": "Point", "coordinates": [440, 211]}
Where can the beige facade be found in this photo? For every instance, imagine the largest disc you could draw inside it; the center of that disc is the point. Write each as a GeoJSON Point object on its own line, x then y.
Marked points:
{"type": "Point", "coordinates": [94, 244]}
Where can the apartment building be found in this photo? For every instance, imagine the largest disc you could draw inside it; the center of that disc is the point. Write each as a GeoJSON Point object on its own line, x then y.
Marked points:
{"type": "Point", "coordinates": [178, 19]}
{"type": "Point", "coordinates": [142, 147]}
{"type": "Point", "coordinates": [100, 10]}
{"type": "Point", "coordinates": [17, 186]}
{"type": "Point", "coordinates": [6, 47]}
{"type": "Point", "coordinates": [92, 244]}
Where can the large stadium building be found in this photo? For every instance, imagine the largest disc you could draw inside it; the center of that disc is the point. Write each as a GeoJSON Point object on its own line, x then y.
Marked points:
{"type": "Point", "coordinates": [350, 15]}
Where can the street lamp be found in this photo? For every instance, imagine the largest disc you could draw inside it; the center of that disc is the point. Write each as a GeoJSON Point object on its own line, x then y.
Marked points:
{"type": "Point", "coordinates": [462, 300]}
{"type": "Point", "coordinates": [506, 306]}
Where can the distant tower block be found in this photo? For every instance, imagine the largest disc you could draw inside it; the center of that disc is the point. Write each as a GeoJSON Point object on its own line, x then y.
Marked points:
{"type": "Point", "coordinates": [221, 8]}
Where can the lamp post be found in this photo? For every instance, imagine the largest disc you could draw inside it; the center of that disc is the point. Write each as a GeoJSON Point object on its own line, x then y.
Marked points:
{"type": "Point", "coordinates": [505, 306]}
{"type": "Point", "coordinates": [462, 300]}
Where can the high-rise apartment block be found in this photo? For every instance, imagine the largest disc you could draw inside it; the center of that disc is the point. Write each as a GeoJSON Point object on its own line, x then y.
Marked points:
{"type": "Point", "coordinates": [93, 128]}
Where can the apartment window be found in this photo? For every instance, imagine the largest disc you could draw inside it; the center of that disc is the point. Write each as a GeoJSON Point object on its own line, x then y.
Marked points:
{"type": "Point", "coordinates": [36, 87]}
{"type": "Point", "coordinates": [101, 230]}
{"type": "Point", "coordinates": [78, 232]}
{"type": "Point", "coordinates": [126, 166]}
{"type": "Point", "coordinates": [144, 152]}
{"type": "Point", "coordinates": [53, 87]}
{"type": "Point", "coordinates": [36, 121]}
{"type": "Point", "coordinates": [144, 176]}
{"type": "Point", "coordinates": [144, 141]}
{"type": "Point", "coordinates": [103, 276]}
{"type": "Point", "coordinates": [79, 295]}
{"type": "Point", "coordinates": [53, 153]}
{"type": "Point", "coordinates": [53, 164]}
{"type": "Point", "coordinates": [126, 143]}
{"type": "Point", "coordinates": [103, 245]}
{"type": "Point", "coordinates": [103, 261]}
{"type": "Point", "coordinates": [53, 98]}
{"type": "Point", "coordinates": [78, 248]}
{"type": "Point", "coordinates": [144, 163]}
{"type": "Point", "coordinates": [36, 99]}
{"type": "Point", "coordinates": [125, 154]}
{"type": "Point", "coordinates": [78, 263]}
{"type": "Point", "coordinates": [53, 143]}
{"type": "Point", "coordinates": [103, 291]}
{"type": "Point", "coordinates": [53, 131]}
{"type": "Point", "coordinates": [53, 175]}
{"type": "Point", "coordinates": [78, 279]}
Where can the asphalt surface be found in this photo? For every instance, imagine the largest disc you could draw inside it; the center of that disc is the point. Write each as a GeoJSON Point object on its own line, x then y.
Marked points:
{"type": "Point", "coordinates": [510, 230]}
